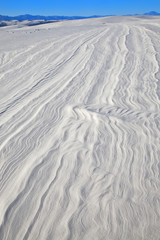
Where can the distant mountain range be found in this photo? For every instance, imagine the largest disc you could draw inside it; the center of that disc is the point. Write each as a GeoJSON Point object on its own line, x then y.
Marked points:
{"type": "Point", "coordinates": [39, 17]}
{"type": "Point", "coordinates": [58, 18]}
{"type": "Point", "coordinates": [153, 13]}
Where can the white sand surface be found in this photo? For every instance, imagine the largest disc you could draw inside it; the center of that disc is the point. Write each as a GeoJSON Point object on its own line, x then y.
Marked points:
{"type": "Point", "coordinates": [80, 130]}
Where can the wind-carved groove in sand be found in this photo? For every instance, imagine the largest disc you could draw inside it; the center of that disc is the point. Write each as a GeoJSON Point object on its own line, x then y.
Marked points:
{"type": "Point", "coordinates": [155, 38]}
{"type": "Point", "coordinates": [53, 72]}
{"type": "Point", "coordinates": [48, 99]}
{"type": "Point", "coordinates": [55, 63]}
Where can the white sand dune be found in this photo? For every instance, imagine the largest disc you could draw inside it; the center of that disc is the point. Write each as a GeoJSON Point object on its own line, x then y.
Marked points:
{"type": "Point", "coordinates": [80, 130]}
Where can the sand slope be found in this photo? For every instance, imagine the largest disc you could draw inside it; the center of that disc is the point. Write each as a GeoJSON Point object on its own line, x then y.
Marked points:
{"type": "Point", "coordinates": [80, 130]}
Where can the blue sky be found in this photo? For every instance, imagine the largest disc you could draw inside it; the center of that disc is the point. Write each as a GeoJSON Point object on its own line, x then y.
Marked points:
{"type": "Point", "coordinates": [79, 7]}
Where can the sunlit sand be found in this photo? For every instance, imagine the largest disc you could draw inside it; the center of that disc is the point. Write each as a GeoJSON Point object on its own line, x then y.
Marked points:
{"type": "Point", "coordinates": [80, 130]}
